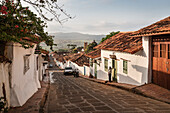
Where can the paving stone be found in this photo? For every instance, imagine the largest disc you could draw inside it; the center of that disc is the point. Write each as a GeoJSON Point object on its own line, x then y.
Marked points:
{"type": "Point", "coordinates": [75, 110]}
{"type": "Point", "coordinates": [80, 95]}
{"type": "Point", "coordinates": [102, 108]}
{"type": "Point", "coordinates": [87, 109]}
{"type": "Point", "coordinates": [98, 104]}
{"type": "Point", "coordinates": [82, 104]}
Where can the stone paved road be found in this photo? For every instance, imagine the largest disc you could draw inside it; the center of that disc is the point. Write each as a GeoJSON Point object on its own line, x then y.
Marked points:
{"type": "Point", "coordinates": [75, 95]}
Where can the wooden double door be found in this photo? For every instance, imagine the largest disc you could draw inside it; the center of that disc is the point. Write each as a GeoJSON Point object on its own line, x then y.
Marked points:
{"type": "Point", "coordinates": [161, 61]}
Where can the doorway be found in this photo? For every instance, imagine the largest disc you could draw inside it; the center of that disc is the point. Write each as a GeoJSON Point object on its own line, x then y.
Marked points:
{"type": "Point", "coordinates": [114, 70]}
{"type": "Point", "coordinates": [161, 61]}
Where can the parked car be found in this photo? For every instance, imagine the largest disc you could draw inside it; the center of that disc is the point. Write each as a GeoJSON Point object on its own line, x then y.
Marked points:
{"type": "Point", "coordinates": [68, 70]}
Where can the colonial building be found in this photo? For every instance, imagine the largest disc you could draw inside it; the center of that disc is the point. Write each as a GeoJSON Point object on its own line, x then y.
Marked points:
{"type": "Point", "coordinates": [20, 73]}
{"type": "Point", "coordinates": [136, 57]}
{"type": "Point", "coordinates": [95, 60]}
{"type": "Point", "coordinates": [157, 36]}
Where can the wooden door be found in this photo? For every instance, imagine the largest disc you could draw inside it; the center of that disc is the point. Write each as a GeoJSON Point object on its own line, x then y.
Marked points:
{"type": "Point", "coordinates": [114, 70]}
{"type": "Point", "coordinates": [168, 66]}
{"type": "Point", "coordinates": [161, 62]}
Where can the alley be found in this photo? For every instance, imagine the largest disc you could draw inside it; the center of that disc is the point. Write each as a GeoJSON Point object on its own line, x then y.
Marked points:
{"type": "Point", "coordinates": [70, 95]}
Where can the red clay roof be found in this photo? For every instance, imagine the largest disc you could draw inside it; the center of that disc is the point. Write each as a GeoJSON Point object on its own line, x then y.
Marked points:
{"type": "Point", "coordinates": [123, 43]}
{"type": "Point", "coordinates": [59, 57]}
{"type": "Point", "coordinates": [80, 59]}
{"type": "Point", "coordinates": [101, 45]}
{"type": "Point", "coordinates": [158, 28]}
{"type": "Point", "coordinates": [94, 54]}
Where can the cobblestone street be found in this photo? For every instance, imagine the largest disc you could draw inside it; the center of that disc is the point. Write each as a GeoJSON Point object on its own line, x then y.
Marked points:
{"type": "Point", "coordinates": [70, 95]}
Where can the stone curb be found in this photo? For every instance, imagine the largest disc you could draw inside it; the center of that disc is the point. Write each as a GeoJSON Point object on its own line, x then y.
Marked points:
{"type": "Point", "coordinates": [132, 89]}
{"type": "Point", "coordinates": [146, 95]}
{"type": "Point", "coordinates": [44, 99]}
{"type": "Point", "coordinates": [107, 83]}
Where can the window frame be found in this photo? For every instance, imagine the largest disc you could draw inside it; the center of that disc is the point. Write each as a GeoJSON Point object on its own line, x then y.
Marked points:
{"type": "Point", "coordinates": [106, 65]}
{"type": "Point", "coordinates": [162, 51]}
{"type": "Point", "coordinates": [125, 67]}
{"type": "Point", "coordinates": [26, 63]}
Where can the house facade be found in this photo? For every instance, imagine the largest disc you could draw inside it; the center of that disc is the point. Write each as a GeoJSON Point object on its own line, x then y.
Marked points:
{"type": "Point", "coordinates": [94, 63]}
{"type": "Point", "coordinates": [158, 37]}
{"type": "Point", "coordinates": [128, 58]}
{"type": "Point", "coordinates": [20, 77]}
{"type": "Point", "coordinates": [24, 82]}
{"type": "Point", "coordinates": [138, 57]}
{"type": "Point", "coordinates": [76, 61]}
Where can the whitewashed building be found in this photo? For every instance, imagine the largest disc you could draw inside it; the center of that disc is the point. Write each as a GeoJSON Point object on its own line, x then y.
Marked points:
{"type": "Point", "coordinates": [157, 36]}
{"type": "Point", "coordinates": [20, 73]}
{"type": "Point", "coordinates": [128, 58]}
{"type": "Point", "coordinates": [138, 57]}
{"type": "Point", "coordinates": [94, 61]}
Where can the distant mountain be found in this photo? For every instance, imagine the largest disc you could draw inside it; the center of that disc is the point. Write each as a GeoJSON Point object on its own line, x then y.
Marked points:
{"type": "Point", "coordinates": [63, 39]}
{"type": "Point", "coordinates": [76, 36]}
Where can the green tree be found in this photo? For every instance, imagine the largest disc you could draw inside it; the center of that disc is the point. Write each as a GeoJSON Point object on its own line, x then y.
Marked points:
{"type": "Point", "coordinates": [19, 24]}
{"type": "Point", "coordinates": [80, 48]}
{"type": "Point", "coordinates": [109, 35]}
{"type": "Point", "coordinates": [75, 50]}
{"type": "Point", "coordinates": [47, 9]}
{"type": "Point", "coordinates": [90, 47]}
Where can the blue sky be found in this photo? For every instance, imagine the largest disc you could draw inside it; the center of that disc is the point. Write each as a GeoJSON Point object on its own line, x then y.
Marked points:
{"type": "Point", "coordinates": [104, 16]}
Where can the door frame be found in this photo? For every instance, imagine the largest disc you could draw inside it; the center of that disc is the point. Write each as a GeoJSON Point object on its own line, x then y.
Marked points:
{"type": "Point", "coordinates": [114, 70]}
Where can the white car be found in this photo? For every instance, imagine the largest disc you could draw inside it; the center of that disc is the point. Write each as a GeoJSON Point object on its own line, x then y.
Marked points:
{"type": "Point", "coordinates": [68, 70]}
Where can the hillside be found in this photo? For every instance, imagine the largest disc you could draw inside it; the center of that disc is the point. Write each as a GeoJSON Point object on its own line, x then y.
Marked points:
{"type": "Point", "coordinates": [62, 39]}
{"type": "Point", "coordinates": [76, 36]}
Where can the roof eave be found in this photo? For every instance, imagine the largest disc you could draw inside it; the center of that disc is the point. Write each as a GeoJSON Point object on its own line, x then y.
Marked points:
{"type": "Point", "coordinates": [151, 34]}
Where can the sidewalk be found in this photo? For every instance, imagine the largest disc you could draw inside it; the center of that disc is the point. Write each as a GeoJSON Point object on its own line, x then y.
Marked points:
{"type": "Point", "coordinates": [148, 90]}
{"type": "Point", "coordinates": [35, 103]}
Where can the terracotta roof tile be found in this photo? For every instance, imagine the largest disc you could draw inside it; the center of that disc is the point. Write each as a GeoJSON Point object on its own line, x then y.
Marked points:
{"type": "Point", "coordinates": [123, 43]}
{"type": "Point", "coordinates": [158, 28]}
{"type": "Point", "coordinates": [94, 54]}
{"type": "Point", "coordinates": [59, 58]}
{"type": "Point", "coordinates": [99, 46]}
{"type": "Point", "coordinates": [80, 59]}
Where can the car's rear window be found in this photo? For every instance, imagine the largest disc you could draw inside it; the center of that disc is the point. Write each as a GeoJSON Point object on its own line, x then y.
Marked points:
{"type": "Point", "coordinates": [68, 68]}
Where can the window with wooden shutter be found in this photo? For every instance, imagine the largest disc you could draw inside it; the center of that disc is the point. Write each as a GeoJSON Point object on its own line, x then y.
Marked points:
{"type": "Point", "coordinates": [155, 50]}
{"type": "Point", "coordinates": [125, 67]}
{"type": "Point", "coordinates": [26, 63]}
{"type": "Point", "coordinates": [106, 65]}
{"type": "Point", "coordinates": [163, 50]}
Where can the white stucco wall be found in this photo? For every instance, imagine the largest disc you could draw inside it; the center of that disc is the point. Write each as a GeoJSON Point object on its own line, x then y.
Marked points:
{"type": "Point", "coordinates": [4, 78]}
{"type": "Point", "coordinates": [75, 66]}
{"type": "Point", "coordinates": [91, 68]}
{"type": "Point", "coordinates": [61, 64]}
{"type": "Point", "coordinates": [137, 65]}
{"type": "Point", "coordinates": [37, 72]}
{"type": "Point", "coordinates": [23, 85]}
